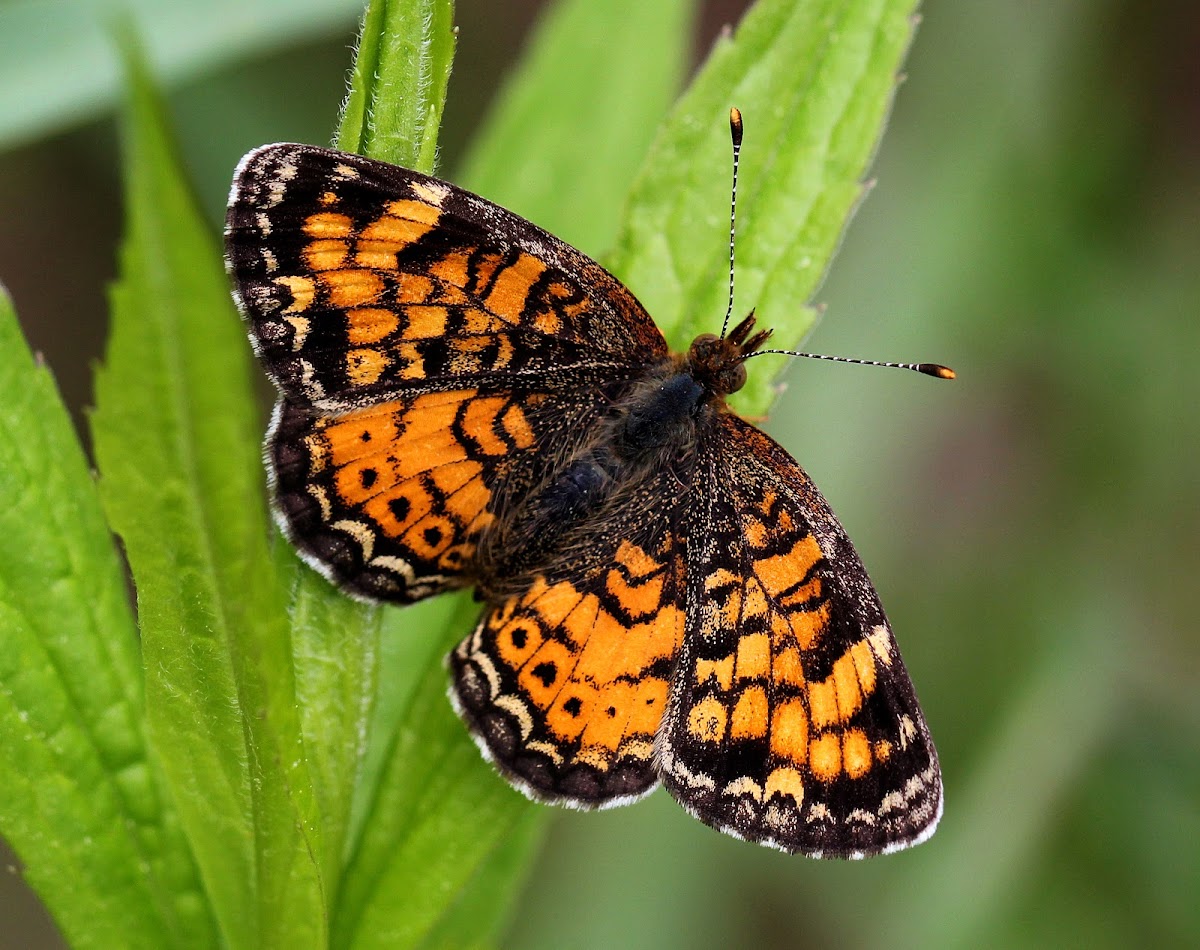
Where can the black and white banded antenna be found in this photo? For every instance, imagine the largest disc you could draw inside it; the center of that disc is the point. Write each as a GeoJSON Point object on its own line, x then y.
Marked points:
{"type": "Point", "coordinates": [735, 133]}
{"type": "Point", "coordinates": [929, 369]}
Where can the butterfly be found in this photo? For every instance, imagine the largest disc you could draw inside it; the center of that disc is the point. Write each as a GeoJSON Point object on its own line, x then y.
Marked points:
{"type": "Point", "coordinates": [467, 401]}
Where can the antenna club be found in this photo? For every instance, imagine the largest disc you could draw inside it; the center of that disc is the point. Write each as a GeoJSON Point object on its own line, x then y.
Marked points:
{"type": "Point", "coordinates": [936, 369]}
{"type": "Point", "coordinates": [735, 126]}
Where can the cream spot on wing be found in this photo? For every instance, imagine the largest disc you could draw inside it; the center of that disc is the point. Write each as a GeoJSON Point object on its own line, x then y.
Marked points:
{"type": "Point", "coordinates": [277, 187]}
{"type": "Point", "coordinates": [308, 381]}
{"type": "Point", "coordinates": [597, 757]}
{"type": "Point", "coordinates": [322, 499]}
{"type": "Point", "coordinates": [744, 786]}
{"type": "Point", "coordinates": [818, 812]}
{"type": "Point", "coordinates": [395, 565]}
{"type": "Point", "coordinates": [318, 458]}
{"type": "Point", "coordinates": [430, 191]}
{"type": "Point", "coordinates": [518, 710]}
{"type": "Point", "coordinates": [300, 327]}
{"type": "Point", "coordinates": [359, 532]}
{"type": "Point", "coordinates": [546, 749]}
{"type": "Point", "coordinates": [490, 672]}
{"type": "Point", "coordinates": [881, 644]}
{"type": "Point", "coordinates": [637, 749]}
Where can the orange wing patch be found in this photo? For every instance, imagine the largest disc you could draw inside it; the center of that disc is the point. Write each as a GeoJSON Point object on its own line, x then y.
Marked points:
{"type": "Point", "coordinates": [565, 684]}
{"type": "Point", "coordinates": [390, 500]}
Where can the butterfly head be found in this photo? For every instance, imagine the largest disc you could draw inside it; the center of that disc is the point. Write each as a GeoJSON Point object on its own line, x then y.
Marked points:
{"type": "Point", "coordinates": [718, 363]}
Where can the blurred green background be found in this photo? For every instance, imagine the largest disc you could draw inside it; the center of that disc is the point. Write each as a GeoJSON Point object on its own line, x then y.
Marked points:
{"type": "Point", "coordinates": [1034, 528]}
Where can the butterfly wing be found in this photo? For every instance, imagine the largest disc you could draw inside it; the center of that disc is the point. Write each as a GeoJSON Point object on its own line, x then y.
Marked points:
{"type": "Point", "coordinates": [389, 501]}
{"type": "Point", "coordinates": [564, 683]}
{"type": "Point", "coordinates": [360, 280]}
{"type": "Point", "coordinates": [433, 352]}
{"type": "Point", "coordinates": [792, 721]}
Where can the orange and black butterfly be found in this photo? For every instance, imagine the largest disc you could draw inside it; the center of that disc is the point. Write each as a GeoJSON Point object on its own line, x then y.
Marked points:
{"type": "Point", "coordinates": [467, 401]}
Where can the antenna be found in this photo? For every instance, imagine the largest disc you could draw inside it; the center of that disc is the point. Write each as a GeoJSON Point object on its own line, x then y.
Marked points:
{"type": "Point", "coordinates": [735, 133]}
{"type": "Point", "coordinates": [929, 369]}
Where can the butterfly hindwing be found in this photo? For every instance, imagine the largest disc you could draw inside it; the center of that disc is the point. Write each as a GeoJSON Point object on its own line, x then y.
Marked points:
{"type": "Point", "coordinates": [361, 280]}
{"type": "Point", "coordinates": [564, 683]}
{"type": "Point", "coordinates": [792, 721]}
{"type": "Point", "coordinates": [389, 501]}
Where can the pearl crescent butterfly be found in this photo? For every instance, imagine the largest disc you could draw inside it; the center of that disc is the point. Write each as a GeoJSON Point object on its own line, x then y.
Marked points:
{"type": "Point", "coordinates": [467, 401]}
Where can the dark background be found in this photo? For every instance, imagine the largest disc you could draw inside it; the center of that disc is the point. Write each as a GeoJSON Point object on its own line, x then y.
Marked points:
{"type": "Point", "coordinates": [1033, 528]}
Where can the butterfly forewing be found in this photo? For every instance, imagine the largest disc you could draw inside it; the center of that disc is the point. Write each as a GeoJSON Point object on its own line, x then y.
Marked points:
{"type": "Point", "coordinates": [361, 280]}
{"type": "Point", "coordinates": [434, 352]}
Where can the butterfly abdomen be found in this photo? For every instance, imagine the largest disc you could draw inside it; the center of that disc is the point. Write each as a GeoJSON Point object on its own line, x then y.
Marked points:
{"type": "Point", "coordinates": [652, 427]}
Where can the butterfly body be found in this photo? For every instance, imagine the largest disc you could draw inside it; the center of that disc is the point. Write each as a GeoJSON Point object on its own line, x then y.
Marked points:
{"type": "Point", "coordinates": [466, 401]}
{"type": "Point", "coordinates": [651, 426]}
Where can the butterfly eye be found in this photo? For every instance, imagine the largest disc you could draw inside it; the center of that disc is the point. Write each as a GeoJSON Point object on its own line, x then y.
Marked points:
{"type": "Point", "coordinates": [704, 346]}
{"type": "Point", "coordinates": [733, 377]}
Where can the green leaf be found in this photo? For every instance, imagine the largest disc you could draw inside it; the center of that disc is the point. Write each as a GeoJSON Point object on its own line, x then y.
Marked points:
{"type": "Point", "coordinates": [79, 802]}
{"type": "Point", "coordinates": [398, 86]}
{"type": "Point", "coordinates": [814, 81]}
{"type": "Point", "coordinates": [481, 917]}
{"type": "Point", "coordinates": [61, 48]}
{"type": "Point", "coordinates": [571, 126]}
{"type": "Point", "coordinates": [413, 642]}
{"type": "Point", "coordinates": [176, 437]}
{"type": "Point", "coordinates": [335, 652]}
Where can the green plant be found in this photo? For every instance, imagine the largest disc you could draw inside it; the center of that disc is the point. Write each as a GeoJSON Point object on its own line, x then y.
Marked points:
{"type": "Point", "coordinates": [258, 761]}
